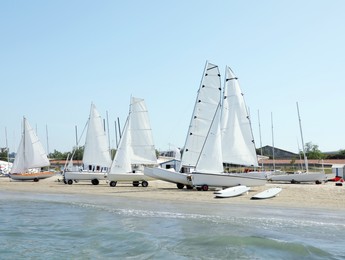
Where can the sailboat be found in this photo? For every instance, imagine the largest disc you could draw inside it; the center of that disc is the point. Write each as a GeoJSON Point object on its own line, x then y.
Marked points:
{"type": "Point", "coordinates": [206, 104]}
{"type": "Point", "coordinates": [96, 157]}
{"type": "Point", "coordinates": [297, 177]}
{"type": "Point", "coordinates": [30, 158]}
{"type": "Point", "coordinates": [136, 147]}
{"type": "Point", "coordinates": [230, 140]}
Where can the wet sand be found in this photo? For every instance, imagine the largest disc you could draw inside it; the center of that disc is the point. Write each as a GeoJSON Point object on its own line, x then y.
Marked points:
{"type": "Point", "coordinates": [322, 196]}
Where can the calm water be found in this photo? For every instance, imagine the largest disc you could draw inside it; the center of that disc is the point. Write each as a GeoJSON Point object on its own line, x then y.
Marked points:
{"type": "Point", "coordinates": [81, 227]}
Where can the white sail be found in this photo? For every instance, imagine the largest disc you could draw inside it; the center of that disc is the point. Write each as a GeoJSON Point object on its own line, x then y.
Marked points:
{"type": "Point", "coordinates": [211, 160]}
{"type": "Point", "coordinates": [237, 137]}
{"type": "Point", "coordinates": [96, 150]}
{"type": "Point", "coordinates": [122, 160]}
{"type": "Point", "coordinates": [143, 148]}
{"type": "Point", "coordinates": [205, 107]}
{"type": "Point", "coordinates": [136, 145]}
{"type": "Point", "coordinates": [30, 152]}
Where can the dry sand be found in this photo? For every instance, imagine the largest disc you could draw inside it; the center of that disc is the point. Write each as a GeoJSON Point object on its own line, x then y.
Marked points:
{"type": "Point", "coordinates": [323, 196]}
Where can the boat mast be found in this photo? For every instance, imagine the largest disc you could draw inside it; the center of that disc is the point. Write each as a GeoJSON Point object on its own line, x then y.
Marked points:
{"type": "Point", "coordinates": [262, 163]}
{"type": "Point", "coordinates": [303, 148]}
{"type": "Point", "coordinates": [273, 157]}
{"type": "Point", "coordinates": [47, 139]}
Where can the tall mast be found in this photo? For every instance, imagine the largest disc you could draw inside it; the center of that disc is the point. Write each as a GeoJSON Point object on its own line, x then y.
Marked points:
{"type": "Point", "coordinates": [273, 157]}
{"type": "Point", "coordinates": [262, 164]}
{"type": "Point", "coordinates": [303, 147]}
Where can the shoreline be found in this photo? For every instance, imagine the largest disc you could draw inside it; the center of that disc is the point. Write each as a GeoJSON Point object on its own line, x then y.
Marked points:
{"type": "Point", "coordinates": [300, 196]}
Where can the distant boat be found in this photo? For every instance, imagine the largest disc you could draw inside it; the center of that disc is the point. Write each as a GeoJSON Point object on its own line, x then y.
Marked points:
{"type": "Point", "coordinates": [229, 140]}
{"type": "Point", "coordinates": [231, 192]}
{"type": "Point", "coordinates": [96, 157]}
{"type": "Point", "coordinates": [30, 158]}
{"type": "Point", "coordinates": [205, 106]}
{"type": "Point", "coordinates": [136, 147]}
{"type": "Point", "coordinates": [297, 177]}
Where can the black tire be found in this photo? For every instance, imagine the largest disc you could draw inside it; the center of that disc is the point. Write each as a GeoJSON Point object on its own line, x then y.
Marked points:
{"type": "Point", "coordinates": [36, 180]}
{"type": "Point", "coordinates": [112, 183]}
{"type": "Point", "coordinates": [204, 187]}
{"type": "Point", "coordinates": [69, 182]}
{"type": "Point", "coordinates": [64, 181]}
{"type": "Point", "coordinates": [135, 183]}
{"type": "Point", "coordinates": [180, 186]}
{"type": "Point", "coordinates": [95, 182]}
{"type": "Point", "coordinates": [318, 182]}
{"type": "Point", "coordinates": [189, 187]}
{"type": "Point", "coordinates": [144, 183]}
{"type": "Point", "coordinates": [293, 181]}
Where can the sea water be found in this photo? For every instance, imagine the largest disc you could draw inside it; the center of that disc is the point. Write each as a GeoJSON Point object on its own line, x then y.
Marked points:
{"type": "Point", "coordinates": [46, 226]}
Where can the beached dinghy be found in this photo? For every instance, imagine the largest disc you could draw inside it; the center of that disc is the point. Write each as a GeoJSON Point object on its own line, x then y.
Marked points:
{"type": "Point", "coordinates": [136, 148]}
{"type": "Point", "coordinates": [30, 157]}
{"type": "Point", "coordinates": [266, 194]}
{"type": "Point", "coordinates": [232, 192]}
{"type": "Point", "coordinates": [96, 157]}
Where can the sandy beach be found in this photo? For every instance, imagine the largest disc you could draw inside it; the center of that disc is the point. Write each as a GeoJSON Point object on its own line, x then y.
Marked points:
{"type": "Point", "coordinates": [323, 196]}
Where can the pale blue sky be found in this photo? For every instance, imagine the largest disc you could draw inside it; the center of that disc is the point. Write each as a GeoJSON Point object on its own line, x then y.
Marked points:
{"type": "Point", "coordinates": [56, 57]}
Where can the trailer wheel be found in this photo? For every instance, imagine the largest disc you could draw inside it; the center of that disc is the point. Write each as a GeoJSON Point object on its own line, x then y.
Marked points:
{"type": "Point", "coordinates": [135, 183]}
{"type": "Point", "coordinates": [204, 187]}
{"type": "Point", "coordinates": [95, 182]}
{"type": "Point", "coordinates": [112, 183]}
{"type": "Point", "coordinates": [180, 186]}
{"type": "Point", "coordinates": [36, 180]}
{"type": "Point", "coordinates": [70, 182]}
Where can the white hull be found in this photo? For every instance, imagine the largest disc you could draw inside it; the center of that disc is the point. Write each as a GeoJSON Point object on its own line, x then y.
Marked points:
{"type": "Point", "coordinates": [232, 192]}
{"type": "Point", "coordinates": [130, 176]}
{"type": "Point", "coordinates": [167, 175]}
{"type": "Point", "coordinates": [299, 177]}
{"type": "Point", "coordinates": [227, 179]}
{"type": "Point", "coordinates": [85, 175]}
{"type": "Point", "coordinates": [31, 176]}
{"type": "Point", "coordinates": [267, 194]}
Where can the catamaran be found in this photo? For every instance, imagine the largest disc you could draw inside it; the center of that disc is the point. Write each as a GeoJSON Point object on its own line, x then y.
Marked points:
{"type": "Point", "coordinates": [31, 158]}
{"type": "Point", "coordinates": [206, 103]}
{"type": "Point", "coordinates": [96, 157]}
{"type": "Point", "coordinates": [136, 147]}
{"type": "Point", "coordinates": [208, 145]}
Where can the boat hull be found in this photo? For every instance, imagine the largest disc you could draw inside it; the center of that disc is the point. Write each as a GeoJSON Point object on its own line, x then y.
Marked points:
{"type": "Point", "coordinates": [31, 176]}
{"type": "Point", "coordinates": [168, 175]}
{"type": "Point", "coordinates": [267, 194]}
{"type": "Point", "coordinates": [232, 192]}
{"type": "Point", "coordinates": [130, 176]}
{"type": "Point", "coordinates": [299, 177]}
{"type": "Point", "coordinates": [227, 179]}
{"type": "Point", "coordinates": [84, 175]}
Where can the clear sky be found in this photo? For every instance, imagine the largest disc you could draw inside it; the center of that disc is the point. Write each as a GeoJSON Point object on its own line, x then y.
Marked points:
{"type": "Point", "coordinates": [56, 57]}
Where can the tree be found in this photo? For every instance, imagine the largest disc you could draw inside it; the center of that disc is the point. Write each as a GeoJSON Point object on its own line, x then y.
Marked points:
{"type": "Point", "coordinates": [3, 154]}
{"type": "Point", "coordinates": [312, 151]}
